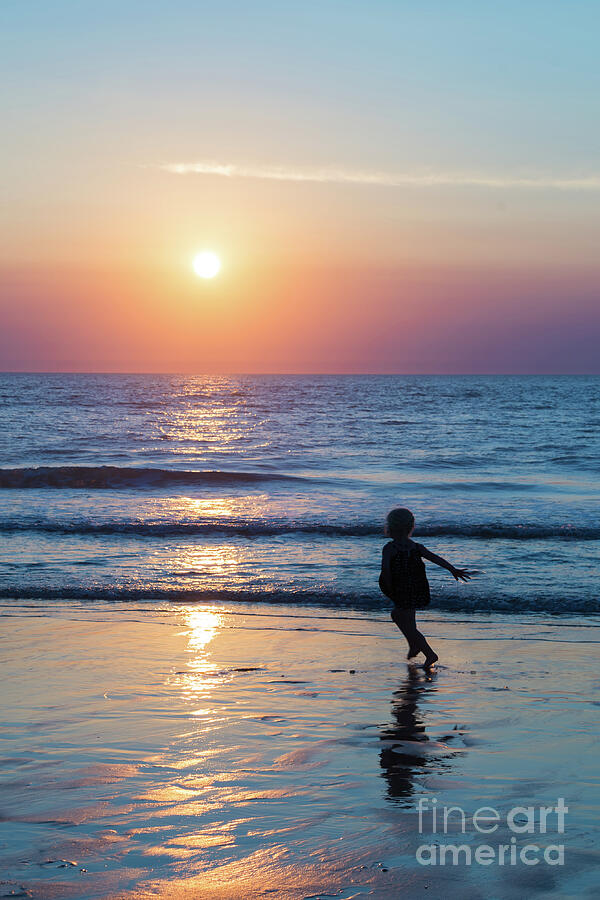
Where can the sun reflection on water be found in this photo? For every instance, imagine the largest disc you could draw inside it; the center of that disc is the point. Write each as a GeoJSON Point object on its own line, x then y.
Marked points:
{"type": "Point", "coordinates": [203, 625]}
{"type": "Point", "coordinates": [202, 676]}
{"type": "Point", "coordinates": [211, 508]}
{"type": "Point", "coordinates": [213, 559]}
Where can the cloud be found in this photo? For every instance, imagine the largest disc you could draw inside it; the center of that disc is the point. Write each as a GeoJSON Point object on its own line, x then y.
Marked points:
{"type": "Point", "coordinates": [385, 179]}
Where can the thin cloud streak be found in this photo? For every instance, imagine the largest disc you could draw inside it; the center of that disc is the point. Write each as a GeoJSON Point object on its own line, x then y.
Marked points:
{"type": "Point", "coordinates": [384, 179]}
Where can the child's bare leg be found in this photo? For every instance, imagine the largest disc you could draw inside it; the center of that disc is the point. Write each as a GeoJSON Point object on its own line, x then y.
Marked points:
{"type": "Point", "coordinates": [405, 620]}
{"type": "Point", "coordinates": [398, 619]}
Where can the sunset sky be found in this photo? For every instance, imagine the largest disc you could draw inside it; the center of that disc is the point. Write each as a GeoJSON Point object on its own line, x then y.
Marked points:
{"type": "Point", "coordinates": [390, 186]}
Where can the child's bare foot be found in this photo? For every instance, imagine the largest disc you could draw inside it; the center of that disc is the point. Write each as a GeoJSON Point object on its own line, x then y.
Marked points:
{"type": "Point", "coordinates": [412, 652]}
{"type": "Point", "coordinates": [430, 661]}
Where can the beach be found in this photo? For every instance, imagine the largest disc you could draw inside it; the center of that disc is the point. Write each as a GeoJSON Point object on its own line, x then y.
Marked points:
{"type": "Point", "coordinates": [245, 751]}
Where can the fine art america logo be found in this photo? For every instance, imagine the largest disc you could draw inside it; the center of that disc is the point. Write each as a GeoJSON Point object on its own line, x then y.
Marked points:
{"type": "Point", "coordinates": [515, 827]}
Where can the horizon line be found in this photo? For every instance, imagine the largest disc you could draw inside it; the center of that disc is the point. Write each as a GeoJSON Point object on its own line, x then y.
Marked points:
{"type": "Point", "coordinates": [310, 374]}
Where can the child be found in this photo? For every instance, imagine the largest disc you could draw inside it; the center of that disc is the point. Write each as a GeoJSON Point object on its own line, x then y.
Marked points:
{"type": "Point", "coordinates": [404, 581]}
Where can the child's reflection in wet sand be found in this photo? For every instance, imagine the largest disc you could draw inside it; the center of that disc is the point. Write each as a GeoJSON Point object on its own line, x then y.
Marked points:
{"type": "Point", "coordinates": [400, 762]}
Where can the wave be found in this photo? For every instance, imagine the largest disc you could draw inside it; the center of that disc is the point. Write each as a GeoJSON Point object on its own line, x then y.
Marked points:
{"type": "Point", "coordinates": [147, 477]}
{"type": "Point", "coordinates": [114, 477]}
{"type": "Point", "coordinates": [481, 531]}
{"type": "Point", "coordinates": [554, 604]}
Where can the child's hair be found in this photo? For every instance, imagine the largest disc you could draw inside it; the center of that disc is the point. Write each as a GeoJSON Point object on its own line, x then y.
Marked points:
{"type": "Point", "coordinates": [399, 522]}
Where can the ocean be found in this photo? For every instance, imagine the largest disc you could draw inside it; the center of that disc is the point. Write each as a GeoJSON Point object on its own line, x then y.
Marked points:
{"type": "Point", "coordinates": [275, 488]}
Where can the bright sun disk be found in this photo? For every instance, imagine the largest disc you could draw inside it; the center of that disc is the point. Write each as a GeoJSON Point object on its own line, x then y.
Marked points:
{"type": "Point", "coordinates": [206, 264]}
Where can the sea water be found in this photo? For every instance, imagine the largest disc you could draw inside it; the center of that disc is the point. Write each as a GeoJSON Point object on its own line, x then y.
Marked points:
{"type": "Point", "coordinates": [275, 488]}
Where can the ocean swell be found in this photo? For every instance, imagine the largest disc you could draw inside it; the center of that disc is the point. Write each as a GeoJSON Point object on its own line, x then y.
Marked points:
{"type": "Point", "coordinates": [114, 477]}
{"type": "Point", "coordinates": [261, 528]}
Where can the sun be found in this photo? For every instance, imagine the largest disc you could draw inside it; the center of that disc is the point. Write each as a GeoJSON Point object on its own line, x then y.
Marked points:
{"type": "Point", "coordinates": [207, 264]}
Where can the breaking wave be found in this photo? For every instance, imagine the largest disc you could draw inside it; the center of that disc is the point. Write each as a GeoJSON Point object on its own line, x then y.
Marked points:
{"type": "Point", "coordinates": [452, 602]}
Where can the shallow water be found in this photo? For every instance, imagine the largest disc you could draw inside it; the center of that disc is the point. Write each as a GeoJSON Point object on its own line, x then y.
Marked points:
{"type": "Point", "coordinates": [248, 751]}
{"type": "Point", "coordinates": [276, 487]}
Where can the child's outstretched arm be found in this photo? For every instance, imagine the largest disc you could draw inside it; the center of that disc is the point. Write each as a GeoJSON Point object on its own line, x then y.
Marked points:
{"type": "Point", "coordinates": [459, 574]}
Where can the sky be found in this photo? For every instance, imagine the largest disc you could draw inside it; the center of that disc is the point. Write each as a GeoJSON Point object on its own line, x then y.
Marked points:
{"type": "Point", "coordinates": [390, 186]}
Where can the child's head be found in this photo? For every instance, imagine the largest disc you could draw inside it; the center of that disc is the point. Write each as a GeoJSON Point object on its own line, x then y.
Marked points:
{"type": "Point", "coordinates": [399, 523]}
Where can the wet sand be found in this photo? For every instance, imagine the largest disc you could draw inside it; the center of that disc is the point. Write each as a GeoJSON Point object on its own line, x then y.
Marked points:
{"type": "Point", "coordinates": [252, 752]}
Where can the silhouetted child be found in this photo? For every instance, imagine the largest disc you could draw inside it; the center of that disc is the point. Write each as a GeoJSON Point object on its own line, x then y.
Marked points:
{"type": "Point", "coordinates": [403, 579]}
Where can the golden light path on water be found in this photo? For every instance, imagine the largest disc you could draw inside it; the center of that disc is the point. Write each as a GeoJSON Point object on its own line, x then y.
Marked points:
{"type": "Point", "coordinates": [215, 417]}
{"type": "Point", "coordinates": [202, 624]}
